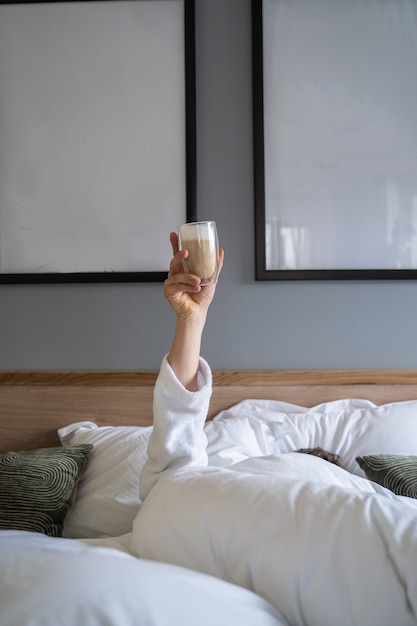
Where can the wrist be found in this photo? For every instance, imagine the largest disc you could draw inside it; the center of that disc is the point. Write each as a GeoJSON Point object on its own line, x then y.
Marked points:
{"type": "Point", "coordinates": [191, 324]}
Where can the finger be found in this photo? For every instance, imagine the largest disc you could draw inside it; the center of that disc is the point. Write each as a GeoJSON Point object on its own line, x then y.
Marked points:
{"type": "Point", "coordinates": [173, 289]}
{"type": "Point", "coordinates": [182, 280]}
{"type": "Point", "coordinates": [176, 266]}
{"type": "Point", "coordinates": [221, 259]}
{"type": "Point", "coordinates": [173, 237]}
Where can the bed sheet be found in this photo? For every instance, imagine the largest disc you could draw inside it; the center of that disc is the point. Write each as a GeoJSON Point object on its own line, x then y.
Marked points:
{"type": "Point", "coordinates": [47, 581]}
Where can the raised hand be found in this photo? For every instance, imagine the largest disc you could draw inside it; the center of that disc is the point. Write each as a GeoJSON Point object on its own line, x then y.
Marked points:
{"type": "Point", "coordinates": [183, 291]}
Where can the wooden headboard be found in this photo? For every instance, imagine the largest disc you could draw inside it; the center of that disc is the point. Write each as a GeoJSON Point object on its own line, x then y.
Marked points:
{"type": "Point", "coordinates": [34, 404]}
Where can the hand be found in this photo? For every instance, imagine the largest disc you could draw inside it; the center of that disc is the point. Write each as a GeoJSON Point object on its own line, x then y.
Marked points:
{"type": "Point", "coordinates": [183, 291]}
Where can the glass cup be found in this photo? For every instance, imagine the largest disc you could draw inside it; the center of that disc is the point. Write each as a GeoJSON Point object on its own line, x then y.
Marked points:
{"type": "Point", "coordinates": [202, 243]}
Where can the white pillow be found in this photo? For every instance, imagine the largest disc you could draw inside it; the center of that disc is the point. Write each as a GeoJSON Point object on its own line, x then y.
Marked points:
{"type": "Point", "coordinates": [108, 495]}
{"type": "Point", "coordinates": [264, 427]}
{"type": "Point", "coordinates": [348, 428]}
{"type": "Point", "coordinates": [385, 429]}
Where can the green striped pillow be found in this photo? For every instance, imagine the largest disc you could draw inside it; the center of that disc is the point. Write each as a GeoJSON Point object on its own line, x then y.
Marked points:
{"type": "Point", "coordinates": [394, 471]}
{"type": "Point", "coordinates": [38, 487]}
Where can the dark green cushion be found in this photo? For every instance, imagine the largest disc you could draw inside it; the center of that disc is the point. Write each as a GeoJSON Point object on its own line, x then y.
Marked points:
{"type": "Point", "coordinates": [38, 487]}
{"type": "Point", "coordinates": [394, 471]}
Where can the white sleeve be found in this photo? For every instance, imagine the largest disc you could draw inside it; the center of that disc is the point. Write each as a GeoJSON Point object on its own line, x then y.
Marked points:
{"type": "Point", "coordinates": [178, 438]}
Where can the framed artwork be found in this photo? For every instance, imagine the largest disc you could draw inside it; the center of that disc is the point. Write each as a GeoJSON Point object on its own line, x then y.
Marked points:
{"type": "Point", "coordinates": [97, 138]}
{"type": "Point", "coordinates": [335, 139]}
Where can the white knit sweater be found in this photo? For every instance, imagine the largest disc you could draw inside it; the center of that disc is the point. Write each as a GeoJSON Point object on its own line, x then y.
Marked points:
{"type": "Point", "coordinates": [178, 437]}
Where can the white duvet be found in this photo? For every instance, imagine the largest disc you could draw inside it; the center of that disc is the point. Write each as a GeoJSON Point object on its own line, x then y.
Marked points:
{"type": "Point", "coordinates": [48, 581]}
{"type": "Point", "coordinates": [323, 546]}
{"type": "Point", "coordinates": [235, 499]}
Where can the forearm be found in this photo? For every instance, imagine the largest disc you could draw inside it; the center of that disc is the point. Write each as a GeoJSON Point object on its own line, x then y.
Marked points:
{"type": "Point", "coordinates": [184, 354]}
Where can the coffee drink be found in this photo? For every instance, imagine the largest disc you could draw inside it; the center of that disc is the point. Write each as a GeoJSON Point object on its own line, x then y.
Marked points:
{"type": "Point", "coordinates": [201, 259]}
{"type": "Point", "coordinates": [200, 239]}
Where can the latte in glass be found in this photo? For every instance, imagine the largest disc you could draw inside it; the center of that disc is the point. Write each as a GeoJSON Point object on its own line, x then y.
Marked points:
{"type": "Point", "coordinates": [201, 241]}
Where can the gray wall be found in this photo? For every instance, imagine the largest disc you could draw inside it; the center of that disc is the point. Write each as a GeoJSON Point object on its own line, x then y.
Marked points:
{"type": "Point", "coordinates": [271, 325]}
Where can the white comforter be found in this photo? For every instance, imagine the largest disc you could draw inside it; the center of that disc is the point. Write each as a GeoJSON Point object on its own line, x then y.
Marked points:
{"type": "Point", "coordinates": [322, 545]}
{"type": "Point", "coordinates": [47, 581]}
{"type": "Point", "coordinates": [320, 542]}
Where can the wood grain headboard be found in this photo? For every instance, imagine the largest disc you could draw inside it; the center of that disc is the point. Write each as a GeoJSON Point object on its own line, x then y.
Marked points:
{"type": "Point", "coordinates": [34, 404]}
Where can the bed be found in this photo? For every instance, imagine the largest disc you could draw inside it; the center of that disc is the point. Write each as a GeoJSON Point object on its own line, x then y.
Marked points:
{"type": "Point", "coordinates": [77, 563]}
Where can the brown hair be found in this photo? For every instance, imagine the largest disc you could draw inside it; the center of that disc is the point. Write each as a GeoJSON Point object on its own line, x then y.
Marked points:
{"type": "Point", "coordinates": [323, 454]}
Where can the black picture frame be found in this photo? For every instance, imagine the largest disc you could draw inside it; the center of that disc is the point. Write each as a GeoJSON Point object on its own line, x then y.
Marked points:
{"type": "Point", "coordinates": [265, 269]}
{"type": "Point", "coordinates": [188, 149]}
